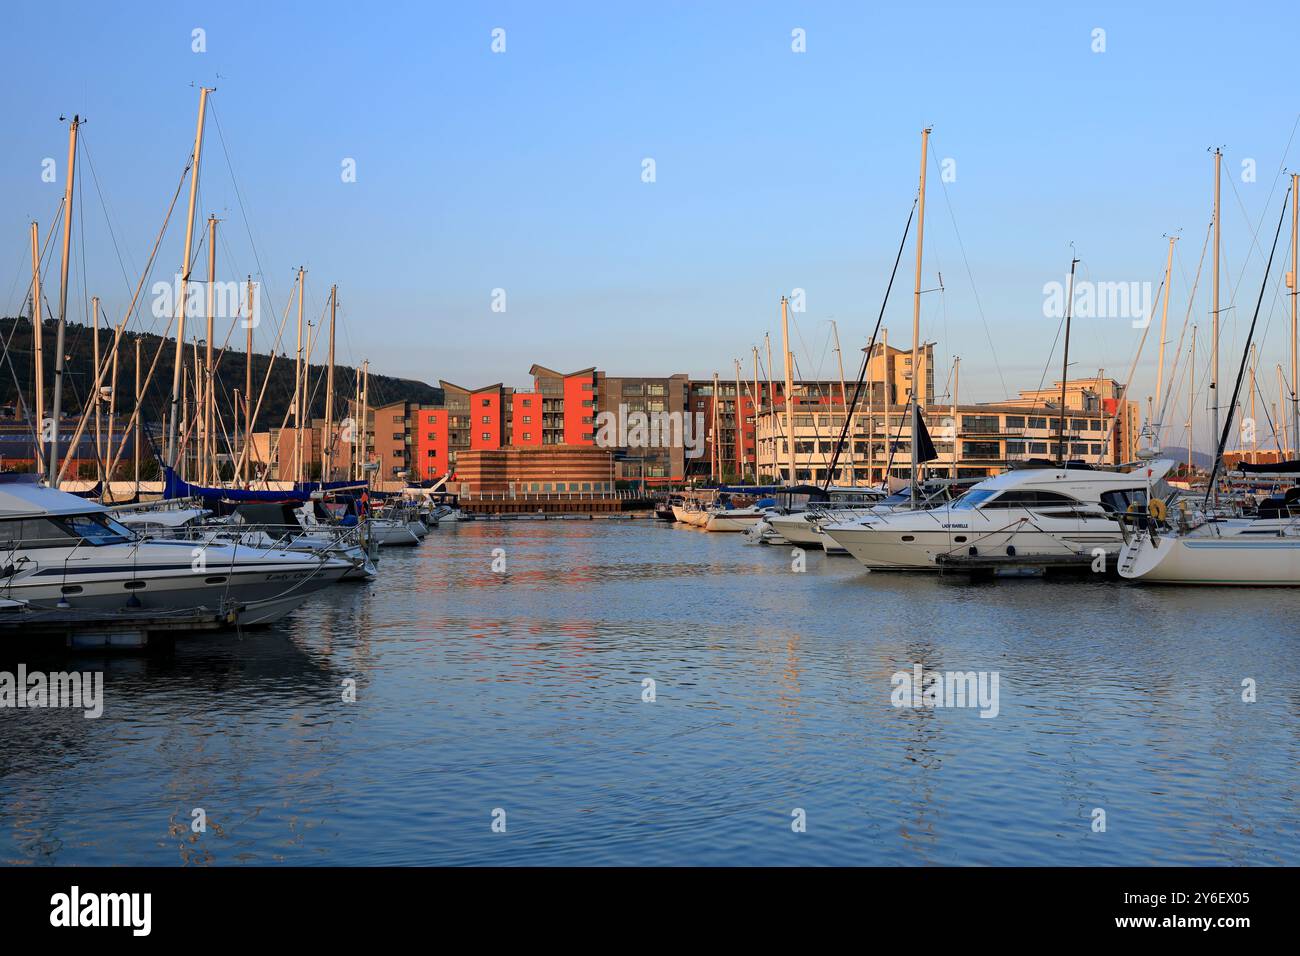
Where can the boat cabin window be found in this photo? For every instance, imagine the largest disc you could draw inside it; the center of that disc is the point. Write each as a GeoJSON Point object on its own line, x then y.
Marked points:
{"type": "Point", "coordinates": [1031, 499]}
{"type": "Point", "coordinates": [62, 531]}
{"type": "Point", "coordinates": [972, 500]}
{"type": "Point", "coordinates": [94, 528]}
{"type": "Point", "coordinates": [34, 533]}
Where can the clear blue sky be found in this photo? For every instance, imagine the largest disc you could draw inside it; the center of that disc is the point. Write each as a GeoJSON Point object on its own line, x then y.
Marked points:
{"type": "Point", "coordinates": [775, 170]}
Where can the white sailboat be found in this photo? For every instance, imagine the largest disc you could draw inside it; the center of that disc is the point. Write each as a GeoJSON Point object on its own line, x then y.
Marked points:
{"type": "Point", "coordinates": [1220, 552]}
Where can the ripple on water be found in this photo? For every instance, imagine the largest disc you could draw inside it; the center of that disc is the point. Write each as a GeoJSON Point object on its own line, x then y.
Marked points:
{"type": "Point", "coordinates": [523, 691]}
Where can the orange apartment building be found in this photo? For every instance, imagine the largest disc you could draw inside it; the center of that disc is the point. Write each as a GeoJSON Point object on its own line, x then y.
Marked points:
{"type": "Point", "coordinates": [559, 410]}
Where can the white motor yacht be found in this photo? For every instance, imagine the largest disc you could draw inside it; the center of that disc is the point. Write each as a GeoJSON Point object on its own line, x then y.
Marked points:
{"type": "Point", "coordinates": [1030, 511]}
{"type": "Point", "coordinates": [59, 550]}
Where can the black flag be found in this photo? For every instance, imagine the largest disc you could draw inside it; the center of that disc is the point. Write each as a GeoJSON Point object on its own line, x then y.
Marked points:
{"type": "Point", "coordinates": [925, 450]}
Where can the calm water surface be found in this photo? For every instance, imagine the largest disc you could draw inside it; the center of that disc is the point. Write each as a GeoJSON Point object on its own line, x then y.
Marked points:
{"type": "Point", "coordinates": [523, 691]}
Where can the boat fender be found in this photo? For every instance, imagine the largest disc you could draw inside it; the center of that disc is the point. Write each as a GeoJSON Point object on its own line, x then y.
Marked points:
{"type": "Point", "coordinates": [973, 551]}
{"type": "Point", "coordinates": [1011, 550]}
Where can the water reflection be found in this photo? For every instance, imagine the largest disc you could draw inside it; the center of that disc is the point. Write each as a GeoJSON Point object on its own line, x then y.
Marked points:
{"type": "Point", "coordinates": [524, 690]}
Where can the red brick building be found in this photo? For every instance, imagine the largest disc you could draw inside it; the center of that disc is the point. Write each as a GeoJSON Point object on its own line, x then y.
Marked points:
{"type": "Point", "coordinates": [532, 471]}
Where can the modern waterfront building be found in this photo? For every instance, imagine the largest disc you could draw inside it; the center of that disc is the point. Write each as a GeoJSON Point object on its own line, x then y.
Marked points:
{"type": "Point", "coordinates": [971, 441]}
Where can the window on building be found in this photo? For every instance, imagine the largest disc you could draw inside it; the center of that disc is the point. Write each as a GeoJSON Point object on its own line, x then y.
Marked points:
{"type": "Point", "coordinates": [528, 436]}
{"type": "Point", "coordinates": [432, 453]}
{"type": "Point", "coordinates": [399, 436]}
{"type": "Point", "coordinates": [1015, 421]}
{"type": "Point", "coordinates": [487, 420]}
{"type": "Point", "coordinates": [528, 419]}
{"type": "Point", "coordinates": [433, 436]}
{"type": "Point", "coordinates": [487, 436]}
{"type": "Point", "coordinates": [1038, 423]}
{"type": "Point", "coordinates": [986, 450]}
{"type": "Point", "coordinates": [980, 424]}
{"type": "Point", "coordinates": [487, 403]}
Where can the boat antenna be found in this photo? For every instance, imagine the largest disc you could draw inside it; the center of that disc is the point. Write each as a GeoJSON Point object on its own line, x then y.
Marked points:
{"type": "Point", "coordinates": [1245, 356]}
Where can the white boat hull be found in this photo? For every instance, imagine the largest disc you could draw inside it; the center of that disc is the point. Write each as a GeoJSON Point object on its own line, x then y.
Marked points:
{"type": "Point", "coordinates": [692, 517]}
{"type": "Point", "coordinates": [905, 549]}
{"type": "Point", "coordinates": [733, 521]}
{"type": "Point", "coordinates": [1236, 560]}
{"type": "Point", "coordinates": [268, 589]}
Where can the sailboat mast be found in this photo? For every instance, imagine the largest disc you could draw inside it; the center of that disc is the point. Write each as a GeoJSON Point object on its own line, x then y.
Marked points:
{"type": "Point", "coordinates": [365, 412]}
{"type": "Point", "coordinates": [789, 386]}
{"type": "Point", "coordinates": [1214, 311]}
{"type": "Point", "coordinates": [248, 379]}
{"type": "Point", "coordinates": [886, 381]}
{"type": "Point", "coordinates": [1191, 400]}
{"type": "Point", "coordinates": [771, 388]}
{"type": "Point", "coordinates": [1164, 321]}
{"type": "Point", "coordinates": [94, 399]}
{"type": "Point", "coordinates": [172, 448]}
{"type": "Point", "coordinates": [208, 467]}
{"type": "Point", "coordinates": [717, 443]}
{"type": "Point", "coordinates": [916, 316]}
{"type": "Point", "coordinates": [844, 400]}
{"type": "Point", "coordinates": [1254, 433]}
{"type": "Point", "coordinates": [758, 410]}
{"type": "Point", "coordinates": [1279, 426]}
{"type": "Point", "coordinates": [1295, 288]}
{"type": "Point", "coordinates": [956, 381]}
{"type": "Point", "coordinates": [327, 440]}
{"type": "Point", "coordinates": [135, 442]}
{"type": "Point", "coordinates": [1065, 368]}
{"type": "Point", "coordinates": [297, 388]}
{"type": "Point", "coordinates": [738, 419]}
{"type": "Point", "coordinates": [57, 411]}
{"type": "Point", "coordinates": [38, 333]}
{"type": "Point", "coordinates": [112, 394]}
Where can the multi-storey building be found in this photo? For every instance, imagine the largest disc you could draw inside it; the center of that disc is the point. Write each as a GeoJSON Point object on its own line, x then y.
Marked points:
{"type": "Point", "coordinates": [971, 441]}
{"type": "Point", "coordinates": [732, 447]}
{"type": "Point", "coordinates": [622, 396]}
